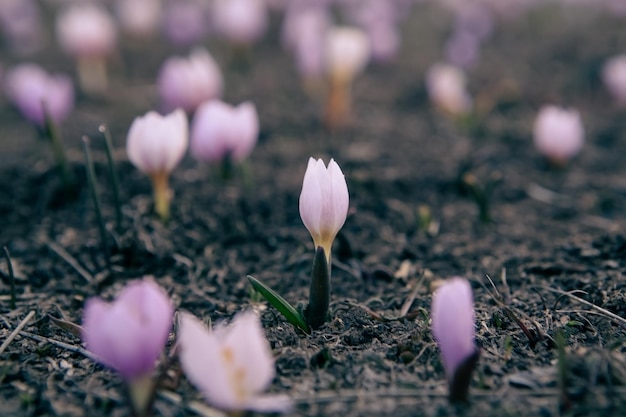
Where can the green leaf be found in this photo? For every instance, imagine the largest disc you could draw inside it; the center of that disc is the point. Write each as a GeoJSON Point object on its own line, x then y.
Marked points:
{"type": "Point", "coordinates": [292, 315]}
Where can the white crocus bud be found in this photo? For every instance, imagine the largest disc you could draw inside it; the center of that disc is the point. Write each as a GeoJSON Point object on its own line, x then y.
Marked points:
{"type": "Point", "coordinates": [155, 145]}
{"type": "Point", "coordinates": [324, 202]}
{"type": "Point", "coordinates": [558, 134]}
{"type": "Point", "coordinates": [446, 89]}
{"type": "Point", "coordinates": [88, 33]}
{"type": "Point", "coordinates": [347, 54]}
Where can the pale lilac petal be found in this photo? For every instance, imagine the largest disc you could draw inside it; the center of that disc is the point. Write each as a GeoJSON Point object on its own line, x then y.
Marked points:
{"type": "Point", "coordinates": [347, 52]}
{"type": "Point", "coordinates": [230, 365]}
{"type": "Point", "coordinates": [446, 89]}
{"type": "Point", "coordinates": [220, 130]}
{"type": "Point", "coordinates": [246, 338]}
{"type": "Point", "coordinates": [157, 143]}
{"type": "Point", "coordinates": [31, 89]}
{"type": "Point", "coordinates": [324, 201]}
{"type": "Point", "coordinates": [201, 359]}
{"type": "Point", "coordinates": [129, 334]}
{"type": "Point", "coordinates": [614, 77]}
{"type": "Point", "coordinates": [240, 21]}
{"type": "Point", "coordinates": [188, 82]}
{"type": "Point", "coordinates": [270, 404]}
{"type": "Point", "coordinates": [86, 30]}
{"type": "Point", "coordinates": [453, 322]}
{"type": "Point", "coordinates": [558, 133]}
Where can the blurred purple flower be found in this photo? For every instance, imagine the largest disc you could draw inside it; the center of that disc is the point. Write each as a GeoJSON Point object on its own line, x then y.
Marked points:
{"type": "Point", "coordinates": [446, 89]}
{"type": "Point", "coordinates": [462, 49]}
{"type": "Point", "coordinates": [614, 77]}
{"type": "Point", "coordinates": [140, 18]}
{"type": "Point", "coordinates": [453, 328]}
{"type": "Point", "coordinates": [130, 333]}
{"type": "Point", "coordinates": [185, 22]}
{"type": "Point", "coordinates": [188, 82]}
{"type": "Point", "coordinates": [303, 33]}
{"type": "Point", "coordinates": [558, 133]}
{"type": "Point", "coordinates": [21, 25]}
{"type": "Point", "coordinates": [36, 93]}
{"type": "Point", "coordinates": [221, 131]}
{"type": "Point", "coordinates": [230, 365]}
{"type": "Point", "coordinates": [240, 22]}
{"type": "Point", "coordinates": [86, 30]}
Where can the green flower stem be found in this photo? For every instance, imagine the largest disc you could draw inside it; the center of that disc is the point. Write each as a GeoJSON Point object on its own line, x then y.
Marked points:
{"type": "Point", "coordinates": [93, 186]}
{"type": "Point", "coordinates": [319, 295]}
{"type": "Point", "coordinates": [113, 175]}
{"type": "Point", "coordinates": [53, 133]}
{"type": "Point", "coordinates": [459, 386]}
{"type": "Point", "coordinates": [141, 392]}
{"type": "Point", "coordinates": [161, 189]}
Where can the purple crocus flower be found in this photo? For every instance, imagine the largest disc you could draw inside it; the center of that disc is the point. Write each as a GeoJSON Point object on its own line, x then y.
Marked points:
{"type": "Point", "coordinates": [129, 333]}
{"type": "Point", "coordinates": [453, 329]}
{"type": "Point", "coordinates": [220, 131]}
{"type": "Point", "coordinates": [36, 93]}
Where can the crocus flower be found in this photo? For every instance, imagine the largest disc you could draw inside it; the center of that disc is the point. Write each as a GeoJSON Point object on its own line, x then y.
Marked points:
{"type": "Point", "coordinates": [156, 144]}
{"type": "Point", "coordinates": [303, 33]}
{"type": "Point", "coordinates": [22, 26]}
{"type": "Point", "coordinates": [37, 94]}
{"type": "Point", "coordinates": [614, 77]}
{"type": "Point", "coordinates": [324, 202]}
{"type": "Point", "coordinates": [185, 22]}
{"type": "Point", "coordinates": [453, 329]}
{"type": "Point", "coordinates": [230, 365]}
{"type": "Point", "coordinates": [446, 88]}
{"type": "Point", "coordinates": [347, 54]}
{"type": "Point", "coordinates": [188, 82]}
{"type": "Point", "coordinates": [240, 22]}
{"type": "Point", "coordinates": [139, 18]}
{"type": "Point", "coordinates": [221, 131]}
{"type": "Point", "coordinates": [87, 33]}
{"type": "Point", "coordinates": [129, 334]}
{"type": "Point", "coordinates": [558, 133]}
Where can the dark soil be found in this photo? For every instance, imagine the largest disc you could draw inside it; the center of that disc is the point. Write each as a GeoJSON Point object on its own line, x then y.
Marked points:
{"type": "Point", "coordinates": [552, 231]}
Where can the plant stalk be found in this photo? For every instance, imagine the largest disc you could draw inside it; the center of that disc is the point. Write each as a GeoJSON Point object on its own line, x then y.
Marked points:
{"type": "Point", "coordinates": [113, 176]}
{"type": "Point", "coordinates": [319, 294]}
{"type": "Point", "coordinates": [93, 186]}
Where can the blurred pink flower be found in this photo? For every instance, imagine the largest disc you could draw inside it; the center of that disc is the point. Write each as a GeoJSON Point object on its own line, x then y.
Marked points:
{"type": "Point", "coordinates": [303, 33]}
{"type": "Point", "coordinates": [614, 77]}
{"type": "Point", "coordinates": [347, 53]}
{"type": "Point", "coordinates": [558, 133]}
{"type": "Point", "coordinates": [230, 365]}
{"type": "Point", "coordinates": [453, 323]}
{"type": "Point", "coordinates": [22, 26]}
{"type": "Point", "coordinates": [220, 130]}
{"type": "Point", "coordinates": [130, 333]}
{"type": "Point", "coordinates": [86, 30]}
{"type": "Point", "coordinates": [324, 202]}
{"type": "Point", "coordinates": [188, 82]}
{"type": "Point", "coordinates": [446, 88]}
{"type": "Point", "coordinates": [34, 93]}
{"type": "Point", "coordinates": [157, 143]}
{"type": "Point", "coordinates": [241, 22]}
{"type": "Point", "coordinates": [185, 22]}
{"type": "Point", "coordinates": [140, 18]}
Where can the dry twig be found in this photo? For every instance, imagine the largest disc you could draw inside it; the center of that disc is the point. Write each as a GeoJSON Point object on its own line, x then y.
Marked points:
{"type": "Point", "coordinates": [16, 331]}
